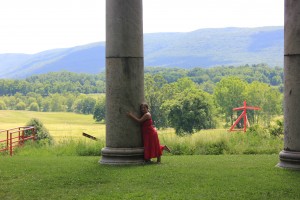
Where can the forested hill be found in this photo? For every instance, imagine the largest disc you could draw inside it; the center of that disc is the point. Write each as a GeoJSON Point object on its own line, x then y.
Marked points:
{"type": "Point", "coordinates": [201, 48]}
{"type": "Point", "coordinates": [69, 82]}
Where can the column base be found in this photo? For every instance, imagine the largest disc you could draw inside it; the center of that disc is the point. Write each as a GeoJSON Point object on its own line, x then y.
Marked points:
{"type": "Point", "coordinates": [289, 160]}
{"type": "Point", "coordinates": [122, 156]}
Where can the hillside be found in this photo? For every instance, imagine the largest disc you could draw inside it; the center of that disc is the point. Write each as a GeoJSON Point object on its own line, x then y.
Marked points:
{"type": "Point", "coordinates": [200, 48]}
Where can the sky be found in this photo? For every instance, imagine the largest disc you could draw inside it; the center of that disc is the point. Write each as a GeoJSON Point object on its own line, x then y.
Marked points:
{"type": "Point", "coordinates": [32, 26]}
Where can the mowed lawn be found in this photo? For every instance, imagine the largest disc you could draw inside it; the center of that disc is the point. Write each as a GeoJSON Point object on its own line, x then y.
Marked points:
{"type": "Point", "coordinates": [178, 177]}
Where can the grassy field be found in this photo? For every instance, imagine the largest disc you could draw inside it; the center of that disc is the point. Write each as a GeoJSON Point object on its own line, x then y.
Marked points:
{"type": "Point", "coordinates": [61, 125]}
{"type": "Point", "coordinates": [57, 172]}
{"type": "Point", "coordinates": [69, 126]}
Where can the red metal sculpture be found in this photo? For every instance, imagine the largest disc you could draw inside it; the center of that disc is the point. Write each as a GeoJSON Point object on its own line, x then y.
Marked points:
{"type": "Point", "coordinates": [243, 115]}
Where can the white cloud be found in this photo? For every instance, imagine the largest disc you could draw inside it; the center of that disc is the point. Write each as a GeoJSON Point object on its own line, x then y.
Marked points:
{"type": "Point", "coordinates": [35, 25]}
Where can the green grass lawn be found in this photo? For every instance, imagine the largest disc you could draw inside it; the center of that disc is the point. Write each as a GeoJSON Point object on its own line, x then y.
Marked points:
{"type": "Point", "coordinates": [178, 177]}
{"type": "Point", "coordinates": [55, 172]}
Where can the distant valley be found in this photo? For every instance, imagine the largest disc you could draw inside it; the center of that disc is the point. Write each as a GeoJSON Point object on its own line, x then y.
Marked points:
{"type": "Point", "coordinates": [201, 48]}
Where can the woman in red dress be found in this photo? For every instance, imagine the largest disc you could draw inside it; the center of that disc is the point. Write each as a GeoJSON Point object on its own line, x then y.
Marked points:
{"type": "Point", "coordinates": [152, 147]}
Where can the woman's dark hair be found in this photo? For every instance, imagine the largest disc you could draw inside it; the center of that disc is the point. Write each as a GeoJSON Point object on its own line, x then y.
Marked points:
{"type": "Point", "coordinates": [143, 104]}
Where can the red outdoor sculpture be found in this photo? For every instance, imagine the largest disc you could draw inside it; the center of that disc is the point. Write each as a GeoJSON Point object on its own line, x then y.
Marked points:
{"type": "Point", "coordinates": [243, 115]}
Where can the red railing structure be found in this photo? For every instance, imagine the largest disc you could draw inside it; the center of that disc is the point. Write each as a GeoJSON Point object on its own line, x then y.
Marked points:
{"type": "Point", "coordinates": [243, 115]}
{"type": "Point", "coordinates": [15, 137]}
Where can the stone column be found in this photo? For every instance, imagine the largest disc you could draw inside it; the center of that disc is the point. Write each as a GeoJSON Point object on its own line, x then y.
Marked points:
{"type": "Point", "coordinates": [124, 81]}
{"type": "Point", "coordinates": [290, 156]}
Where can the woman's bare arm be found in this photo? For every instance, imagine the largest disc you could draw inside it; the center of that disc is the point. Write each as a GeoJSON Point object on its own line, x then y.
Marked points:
{"type": "Point", "coordinates": [140, 120]}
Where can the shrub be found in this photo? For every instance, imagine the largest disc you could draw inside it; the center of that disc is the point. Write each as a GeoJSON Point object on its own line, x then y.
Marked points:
{"type": "Point", "coordinates": [216, 148]}
{"type": "Point", "coordinates": [277, 128]}
{"type": "Point", "coordinates": [182, 149]}
{"type": "Point", "coordinates": [65, 147]}
{"type": "Point", "coordinates": [42, 134]}
{"type": "Point", "coordinates": [259, 131]}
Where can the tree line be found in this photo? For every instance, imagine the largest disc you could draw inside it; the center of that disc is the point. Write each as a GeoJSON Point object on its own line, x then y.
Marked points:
{"type": "Point", "coordinates": [210, 76]}
{"type": "Point", "coordinates": [187, 100]}
{"type": "Point", "coordinates": [54, 82]}
{"type": "Point", "coordinates": [67, 102]}
{"type": "Point", "coordinates": [63, 82]}
{"type": "Point", "coordinates": [185, 106]}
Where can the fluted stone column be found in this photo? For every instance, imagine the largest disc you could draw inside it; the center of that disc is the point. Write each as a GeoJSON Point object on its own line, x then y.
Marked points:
{"type": "Point", "coordinates": [124, 81]}
{"type": "Point", "coordinates": [290, 156]}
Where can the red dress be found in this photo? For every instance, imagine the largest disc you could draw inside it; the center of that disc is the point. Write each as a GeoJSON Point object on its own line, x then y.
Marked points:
{"type": "Point", "coordinates": [152, 148]}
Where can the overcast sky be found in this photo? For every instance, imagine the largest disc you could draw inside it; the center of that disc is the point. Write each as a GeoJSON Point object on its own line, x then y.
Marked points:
{"type": "Point", "coordinates": [31, 26]}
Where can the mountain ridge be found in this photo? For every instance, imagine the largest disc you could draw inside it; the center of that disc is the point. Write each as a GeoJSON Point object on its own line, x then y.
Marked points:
{"type": "Point", "coordinates": [200, 48]}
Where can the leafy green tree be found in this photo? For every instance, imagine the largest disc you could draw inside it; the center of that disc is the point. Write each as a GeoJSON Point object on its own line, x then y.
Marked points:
{"type": "Point", "coordinates": [276, 80]}
{"type": "Point", "coordinates": [84, 105]}
{"type": "Point", "coordinates": [21, 106]}
{"type": "Point", "coordinates": [87, 87]}
{"type": "Point", "coordinates": [2, 105]}
{"type": "Point", "coordinates": [10, 102]}
{"type": "Point", "coordinates": [99, 112]}
{"type": "Point", "coordinates": [34, 106]}
{"type": "Point", "coordinates": [57, 103]}
{"type": "Point", "coordinates": [191, 111]}
{"type": "Point", "coordinates": [267, 98]}
{"type": "Point", "coordinates": [18, 96]}
{"type": "Point", "coordinates": [46, 105]}
{"type": "Point", "coordinates": [229, 93]}
{"type": "Point", "coordinates": [88, 105]}
{"type": "Point", "coordinates": [154, 98]}
{"type": "Point", "coordinates": [30, 100]}
{"type": "Point", "coordinates": [69, 101]}
{"type": "Point", "coordinates": [100, 85]}
{"type": "Point", "coordinates": [208, 87]}
{"type": "Point", "coordinates": [78, 105]}
{"type": "Point", "coordinates": [188, 108]}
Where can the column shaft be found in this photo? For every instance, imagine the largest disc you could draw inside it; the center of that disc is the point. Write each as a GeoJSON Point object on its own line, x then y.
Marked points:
{"type": "Point", "coordinates": [124, 81]}
{"type": "Point", "coordinates": [290, 156]}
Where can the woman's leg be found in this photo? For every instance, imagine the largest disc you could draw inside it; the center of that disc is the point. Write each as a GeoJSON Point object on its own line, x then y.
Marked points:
{"type": "Point", "coordinates": [158, 159]}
